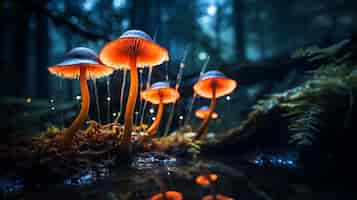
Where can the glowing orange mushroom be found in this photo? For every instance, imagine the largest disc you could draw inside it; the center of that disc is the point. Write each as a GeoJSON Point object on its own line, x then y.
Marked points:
{"type": "Point", "coordinates": [132, 49]}
{"type": "Point", "coordinates": [169, 195]}
{"type": "Point", "coordinates": [83, 63]}
{"type": "Point", "coordinates": [159, 93]}
{"type": "Point", "coordinates": [203, 112]}
{"type": "Point", "coordinates": [217, 197]}
{"type": "Point", "coordinates": [206, 180]}
{"type": "Point", "coordinates": [212, 85]}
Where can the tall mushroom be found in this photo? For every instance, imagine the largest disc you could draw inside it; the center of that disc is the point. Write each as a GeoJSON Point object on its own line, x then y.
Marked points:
{"type": "Point", "coordinates": [83, 63]}
{"type": "Point", "coordinates": [159, 93]}
{"type": "Point", "coordinates": [211, 85]}
{"type": "Point", "coordinates": [134, 48]}
{"type": "Point", "coordinates": [204, 111]}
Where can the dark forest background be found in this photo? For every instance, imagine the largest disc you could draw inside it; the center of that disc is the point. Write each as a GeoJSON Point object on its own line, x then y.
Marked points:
{"type": "Point", "coordinates": [250, 40]}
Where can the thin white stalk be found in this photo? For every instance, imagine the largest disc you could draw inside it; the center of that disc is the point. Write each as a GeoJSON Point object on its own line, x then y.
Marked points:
{"type": "Point", "coordinates": [188, 115]}
{"type": "Point", "coordinates": [145, 102]}
{"type": "Point", "coordinates": [108, 99]}
{"type": "Point", "coordinates": [141, 71]}
{"type": "Point", "coordinates": [97, 100]}
{"type": "Point", "coordinates": [122, 91]}
{"type": "Point", "coordinates": [177, 86]}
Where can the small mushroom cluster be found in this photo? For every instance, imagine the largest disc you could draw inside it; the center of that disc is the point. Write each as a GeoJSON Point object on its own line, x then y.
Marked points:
{"type": "Point", "coordinates": [159, 93]}
{"type": "Point", "coordinates": [132, 50]}
{"type": "Point", "coordinates": [211, 85]}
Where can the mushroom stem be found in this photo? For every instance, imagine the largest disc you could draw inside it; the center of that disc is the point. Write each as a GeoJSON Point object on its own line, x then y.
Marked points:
{"type": "Point", "coordinates": [154, 126]}
{"type": "Point", "coordinates": [202, 131]}
{"type": "Point", "coordinates": [130, 106]}
{"type": "Point", "coordinates": [76, 124]}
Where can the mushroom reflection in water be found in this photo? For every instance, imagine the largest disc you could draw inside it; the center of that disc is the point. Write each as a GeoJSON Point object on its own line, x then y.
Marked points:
{"type": "Point", "coordinates": [169, 195]}
{"type": "Point", "coordinates": [217, 197]}
{"type": "Point", "coordinates": [132, 49]}
{"type": "Point", "coordinates": [212, 84]}
{"type": "Point", "coordinates": [83, 63]}
{"type": "Point", "coordinates": [159, 93]}
{"type": "Point", "coordinates": [206, 180]}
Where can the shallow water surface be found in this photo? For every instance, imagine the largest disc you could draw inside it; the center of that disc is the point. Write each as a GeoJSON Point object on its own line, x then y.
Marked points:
{"type": "Point", "coordinates": [147, 175]}
{"type": "Point", "coordinates": [150, 173]}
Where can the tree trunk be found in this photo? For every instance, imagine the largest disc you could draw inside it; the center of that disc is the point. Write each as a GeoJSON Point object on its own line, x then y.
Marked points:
{"type": "Point", "coordinates": [218, 28]}
{"type": "Point", "coordinates": [15, 63]}
{"type": "Point", "coordinates": [238, 18]}
{"type": "Point", "coordinates": [140, 17]}
{"type": "Point", "coordinates": [42, 49]}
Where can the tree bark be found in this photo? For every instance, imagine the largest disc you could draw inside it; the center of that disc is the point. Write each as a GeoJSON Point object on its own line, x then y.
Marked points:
{"type": "Point", "coordinates": [238, 18]}
{"type": "Point", "coordinates": [42, 49]}
{"type": "Point", "coordinates": [18, 57]}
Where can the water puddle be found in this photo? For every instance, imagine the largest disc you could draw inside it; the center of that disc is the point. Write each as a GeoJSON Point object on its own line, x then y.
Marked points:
{"type": "Point", "coordinates": [148, 174]}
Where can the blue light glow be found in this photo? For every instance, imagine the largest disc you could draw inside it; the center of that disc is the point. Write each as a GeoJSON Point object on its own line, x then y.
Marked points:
{"type": "Point", "coordinates": [253, 53]}
{"type": "Point", "coordinates": [89, 4]}
{"type": "Point", "coordinates": [10, 186]}
{"type": "Point", "coordinates": [212, 10]}
{"type": "Point", "coordinates": [286, 160]}
{"type": "Point", "coordinates": [119, 3]}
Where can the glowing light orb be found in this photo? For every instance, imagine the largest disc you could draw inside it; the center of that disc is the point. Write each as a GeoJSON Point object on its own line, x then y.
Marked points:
{"type": "Point", "coordinates": [212, 10]}
{"type": "Point", "coordinates": [202, 55]}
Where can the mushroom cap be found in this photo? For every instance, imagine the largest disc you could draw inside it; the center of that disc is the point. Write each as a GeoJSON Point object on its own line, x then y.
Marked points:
{"type": "Point", "coordinates": [206, 180]}
{"type": "Point", "coordinates": [160, 91]}
{"type": "Point", "coordinates": [117, 53]}
{"type": "Point", "coordinates": [218, 197]}
{"type": "Point", "coordinates": [170, 195]}
{"type": "Point", "coordinates": [77, 58]}
{"type": "Point", "coordinates": [210, 79]}
{"type": "Point", "coordinates": [204, 111]}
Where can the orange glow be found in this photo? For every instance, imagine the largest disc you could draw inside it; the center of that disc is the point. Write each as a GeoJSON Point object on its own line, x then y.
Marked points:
{"type": "Point", "coordinates": [70, 132]}
{"type": "Point", "coordinates": [130, 107]}
{"type": "Point", "coordinates": [132, 50]}
{"type": "Point", "coordinates": [206, 180]}
{"type": "Point", "coordinates": [148, 53]}
{"type": "Point", "coordinates": [169, 195]}
{"type": "Point", "coordinates": [167, 95]}
{"type": "Point", "coordinates": [159, 95]}
{"type": "Point", "coordinates": [84, 64]}
{"type": "Point", "coordinates": [218, 197]}
{"type": "Point", "coordinates": [72, 71]}
{"type": "Point", "coordinates": [202, 131]}
{"type": "Point", "coordinates": [154, 126]}
{"type": "Point", "coordinates": [223, 86]}
{"type": "Point", "coordinates": [203, 114]}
